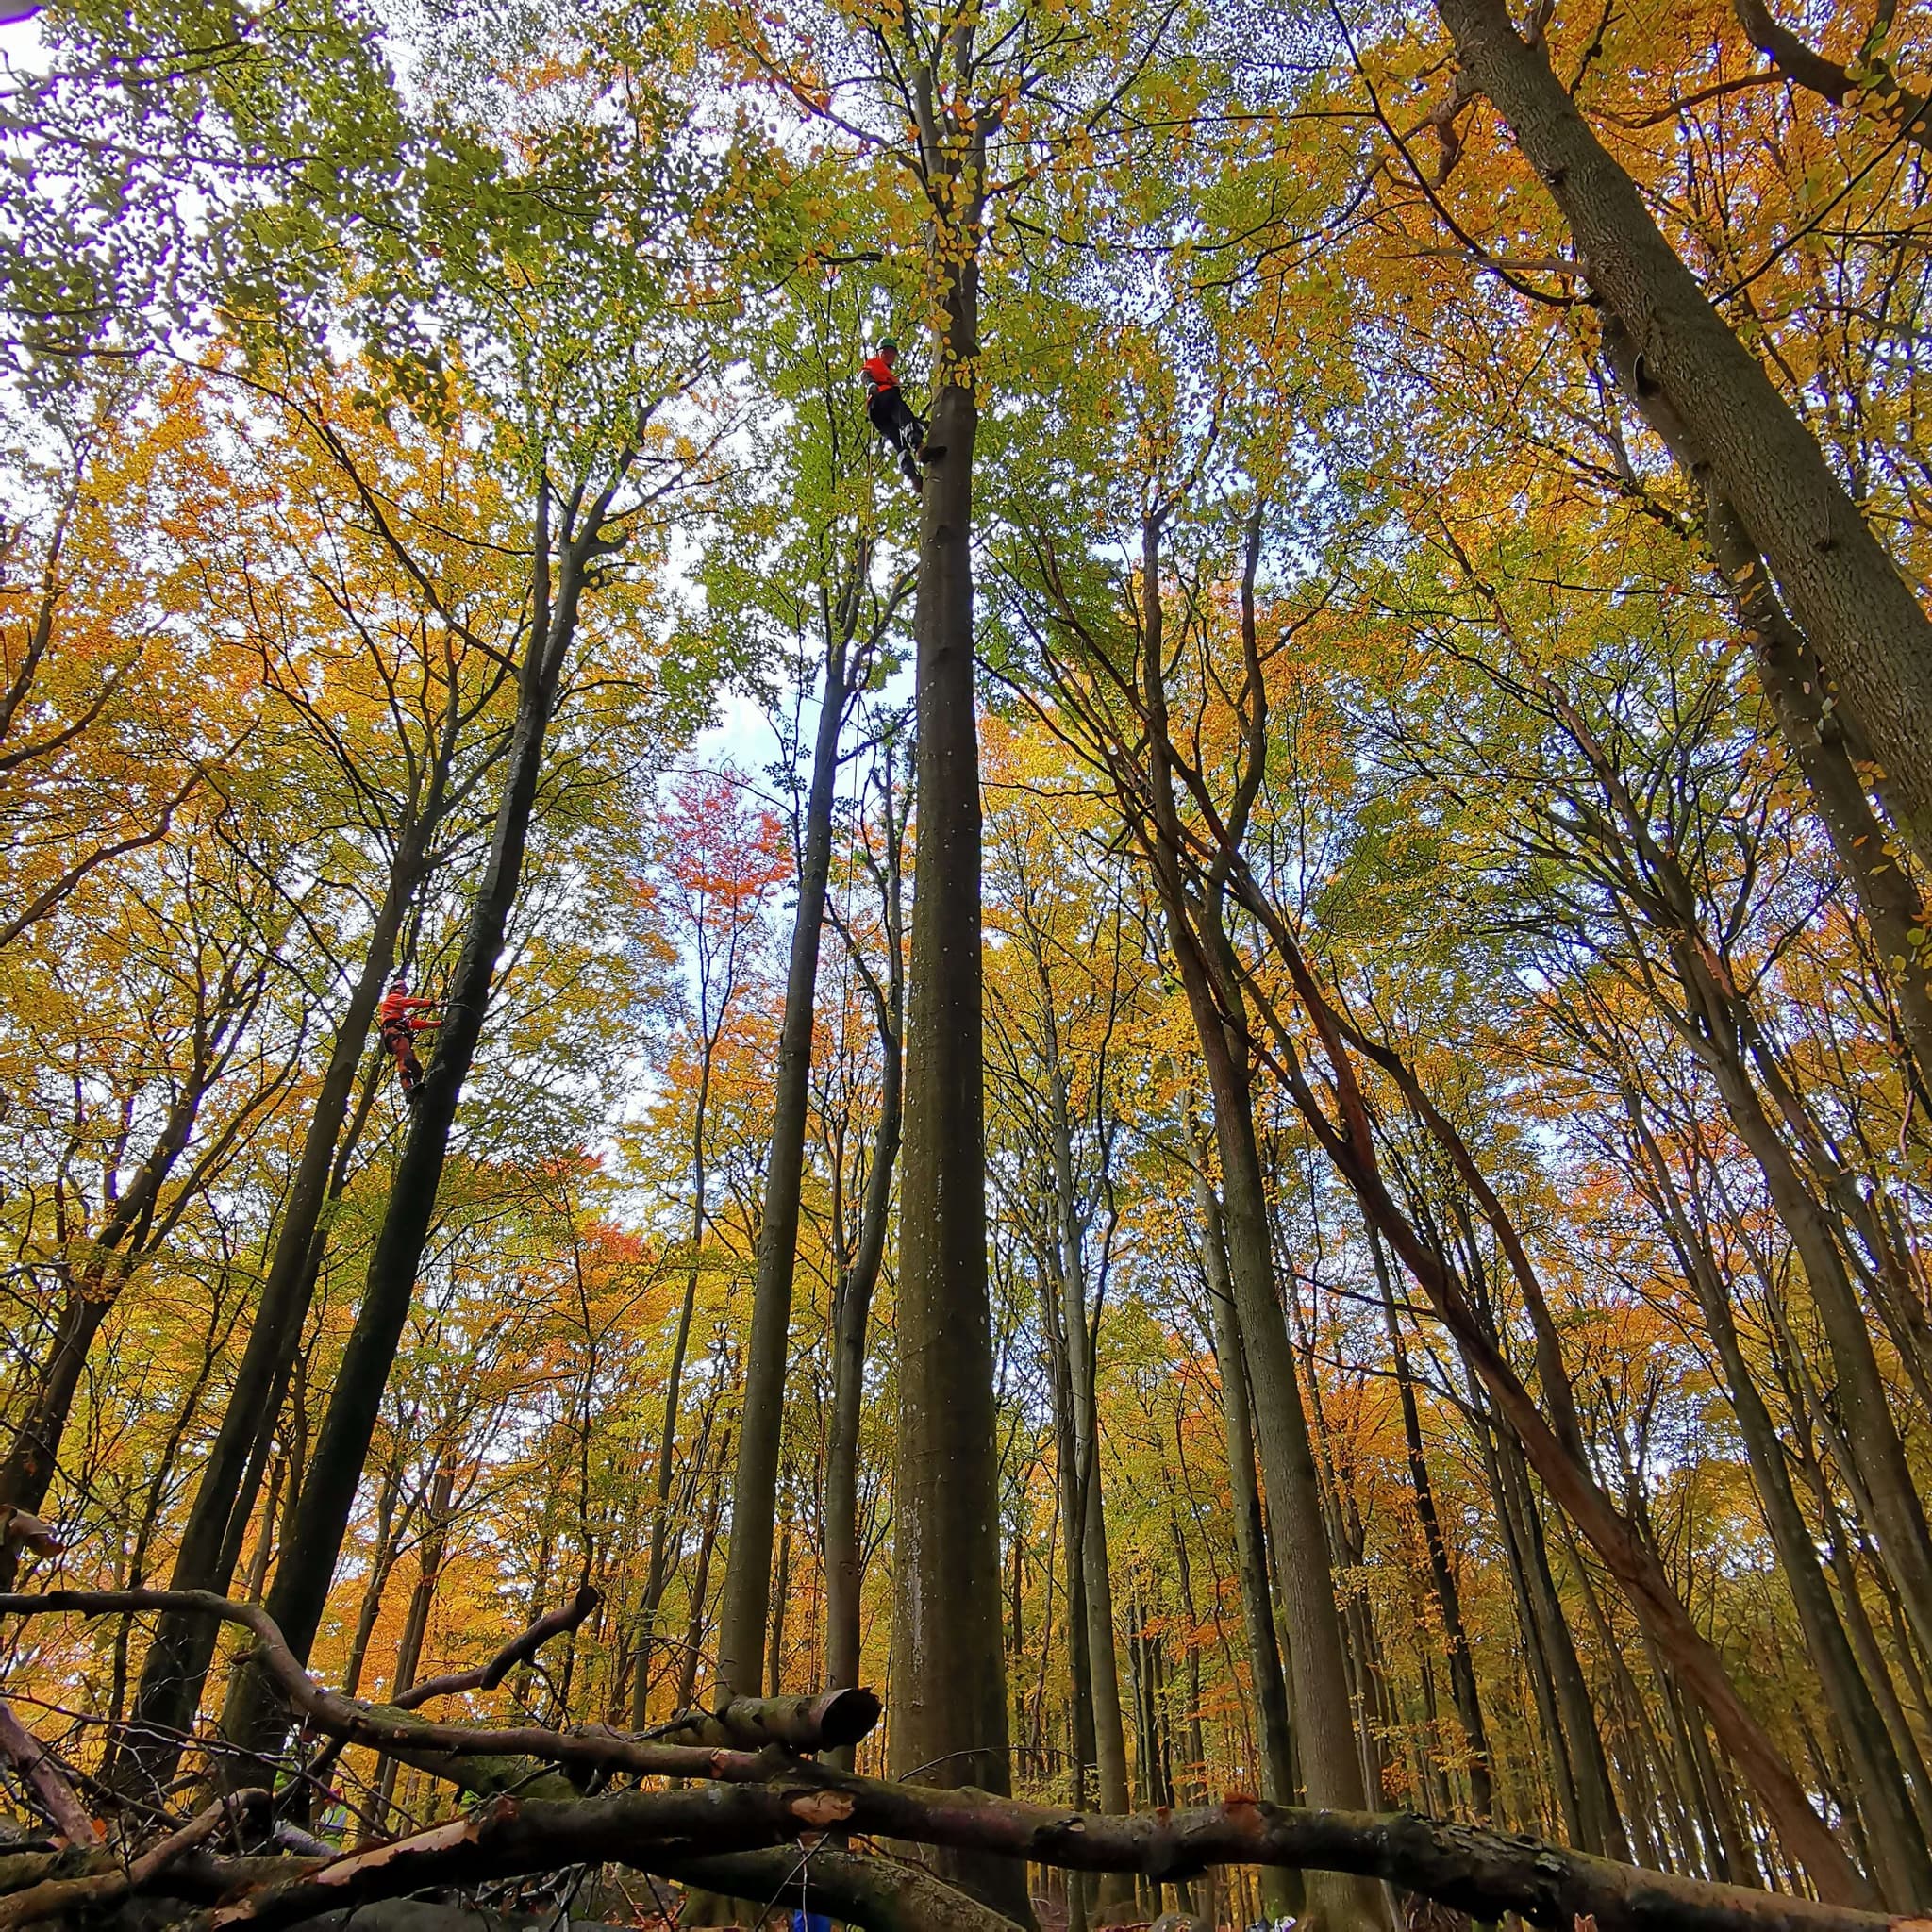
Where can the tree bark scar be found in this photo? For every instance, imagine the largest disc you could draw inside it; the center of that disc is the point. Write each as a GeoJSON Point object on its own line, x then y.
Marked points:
{"type": "Point", "coordinates": [820, 1808]}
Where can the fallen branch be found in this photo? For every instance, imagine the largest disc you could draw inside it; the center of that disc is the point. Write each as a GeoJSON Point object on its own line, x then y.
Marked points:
{"type": "Point", "coordinates": [59, 1898]}
{"type": "Point", "coordinates": [824, 1722]}
{"type": "Point", "coordinates": [757, 1801]}
{"type": "Point", "coordinates": [46, 1780]}
{"type": "Point", "coordinates": [413, 1740]}
{"type": "Point", "coordinates": [880, 1894]}
{"type": "Point", "coordinates": [746, 1724]}
{"type": "Point", "coordinates": [1480, 1872]}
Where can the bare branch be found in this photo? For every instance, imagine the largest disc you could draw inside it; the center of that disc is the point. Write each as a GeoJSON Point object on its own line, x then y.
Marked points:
{"type": "Point", "coordinates": [46, 1780]}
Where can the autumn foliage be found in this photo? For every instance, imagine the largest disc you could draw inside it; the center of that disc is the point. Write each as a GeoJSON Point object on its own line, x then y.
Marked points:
{"type": "Point", "coordinates": [1439, 532]}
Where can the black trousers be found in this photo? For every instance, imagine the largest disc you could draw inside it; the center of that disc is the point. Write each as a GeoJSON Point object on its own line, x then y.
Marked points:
{"type": "Point", "coordinates": [892, 417]}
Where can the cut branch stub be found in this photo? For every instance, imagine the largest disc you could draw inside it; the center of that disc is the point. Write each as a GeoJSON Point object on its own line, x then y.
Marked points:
{"type": "Point", "coordinates": [825, 1722]}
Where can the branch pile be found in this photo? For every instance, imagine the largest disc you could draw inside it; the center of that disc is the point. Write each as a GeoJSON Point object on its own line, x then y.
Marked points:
{"type": "Point", "coordinates": [754, 1815]}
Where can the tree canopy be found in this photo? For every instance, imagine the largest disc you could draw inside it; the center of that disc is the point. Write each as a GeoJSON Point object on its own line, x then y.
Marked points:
{"type": "Point", "coordinates": [1171, 1157]}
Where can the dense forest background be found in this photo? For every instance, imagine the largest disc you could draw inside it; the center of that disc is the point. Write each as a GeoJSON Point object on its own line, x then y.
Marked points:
{"type": "Point", "coordinates": [1239, 1102]}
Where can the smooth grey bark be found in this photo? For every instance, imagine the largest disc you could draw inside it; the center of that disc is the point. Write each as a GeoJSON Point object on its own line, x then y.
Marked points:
{"type": "Point", "coordinates": [1281, 1890]}
{"type": "Point", "coordinates": [853, 1293]}
{"type": "Point", "coordinates": [948, 1698]}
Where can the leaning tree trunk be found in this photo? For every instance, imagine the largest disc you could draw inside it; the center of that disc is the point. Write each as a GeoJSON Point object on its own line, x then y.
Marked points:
{"type": "Point", "coordinates": [743, 1612]}
{"type": "Point", "coordinates": [949, 1674]}
{"type": "Point", "coordinates": [1789, 674]}
{"type": "Point", "coordinates": [1331, 1766]}
{"type": "Point", "coordinates": [1842, 586]}
{"type": "Point", "coordinates": [177, 1660]}
{"type": "Point", "coordinates": [295, 1600]}
{"type": "Point", "coordinates": [1652, 1595]}
{"type": "Point", "coordinates": [1646, 1585]}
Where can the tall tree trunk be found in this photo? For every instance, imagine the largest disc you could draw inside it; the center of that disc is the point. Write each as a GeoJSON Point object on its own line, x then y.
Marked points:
{"type": "Point", "coordinates": [700, 1583]}
{"type": "Point", "coordinates": [1844, 589]}
{"type": "Point", "coordinates": [256, 1579]}
{"type": "Point", "coordinates": [1082, 1889]}
{"type": "Point", "coordinates": [1331, 1765]}
{"type": "Point", "coordinates": [852, 1300]}
{"type": "Point", "coordinates": [948, 1690]}
{"type": "Point", "coordinates": [1067, 1467]}
{"type": "Point", "coordinates": [384, 1552]}
{"type": "Point", "coordinates": [658, 1567]}
{"type": "Point", "coordinates": [1462, 1686]}
{"type": "Point", "coordinates": [1568, 1811]}
{"type": "Point", "coordinates": [1600, 1822]}
{"type": "Point", "coordinates": [780, 1595]}
{"type": "Point", "coordinates": [741, 1615]}
{"type": "Point", "coordinates": [1902, 1865]}
{"type": "Point", "coordinates": [416, 1620]}
{"type": "Point", "coordinates": [1282, 1890]}
{"type": "Point", "coordinates": [1089, 1522]}
{"type": "Point", "coordinates": [302, 1576]}
{"type": "Point", "coordinates": [177, 1660]}
{"type": "Point", "coordinates": [1790, 677]}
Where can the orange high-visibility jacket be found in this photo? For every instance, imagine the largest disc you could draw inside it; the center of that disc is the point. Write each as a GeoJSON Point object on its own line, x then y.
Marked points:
{"type": "Point", "coordinates": [399, 1009]}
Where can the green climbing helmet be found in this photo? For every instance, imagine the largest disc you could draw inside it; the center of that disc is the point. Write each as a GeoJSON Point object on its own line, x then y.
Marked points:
{"type": "Point", "coordinates": [887, 343]}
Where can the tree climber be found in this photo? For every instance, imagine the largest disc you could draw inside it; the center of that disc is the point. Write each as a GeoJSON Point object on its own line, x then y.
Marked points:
{"type": "Point", "coordinates": [399, 1019]}
{"type": "Point", "coordinates": [891, 414]}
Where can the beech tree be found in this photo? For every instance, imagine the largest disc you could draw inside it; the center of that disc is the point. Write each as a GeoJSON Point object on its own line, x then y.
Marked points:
{"type": "Point", "coordinates": [1330, 1319]}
